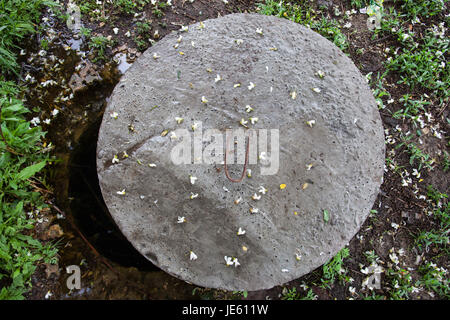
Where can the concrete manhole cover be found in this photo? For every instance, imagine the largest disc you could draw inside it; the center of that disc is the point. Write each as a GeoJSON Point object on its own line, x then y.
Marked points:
{"type": "Point", "coordinates": [310, 188]}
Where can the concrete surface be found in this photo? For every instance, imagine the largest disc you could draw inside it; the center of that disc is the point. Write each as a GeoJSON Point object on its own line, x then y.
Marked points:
{"type": "Point", "coordinates": [345, 146]}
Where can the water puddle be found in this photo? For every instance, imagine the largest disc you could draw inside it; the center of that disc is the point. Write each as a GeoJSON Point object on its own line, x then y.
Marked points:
{"type": "Point", "coordinates": [122, 63]}
{"type": "Point", "coordinates": [75, 44]}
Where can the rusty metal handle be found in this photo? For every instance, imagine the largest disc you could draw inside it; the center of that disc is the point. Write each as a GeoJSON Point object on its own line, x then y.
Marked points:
{"type": "Point", "coordinates": [245, 164]}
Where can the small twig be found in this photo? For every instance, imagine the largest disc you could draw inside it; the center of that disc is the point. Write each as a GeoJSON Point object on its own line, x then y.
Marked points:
{"type": "Point", "coordinates": [82, 236]}
{"type": "Point", "coordinates": [103, 9]}
{"type": "Point", "coordinates": [382, 39]}
{"type": "Point", "coordinates": [33, 184]}
{"type": "Point", "coordinates": [212, 6]}
{"type": "Point", "coordinates": [99, 202]}
{"type": "Point", "coordinates": [442, 109]}
{"type": "Point", "coordinates": [241, 3]}
{"type": "Point", "coordinates": [355, 271]}
{"type": "Point", "coordinates": [94, 250]}
{"type": "Point", "coordinates": [186, 15]}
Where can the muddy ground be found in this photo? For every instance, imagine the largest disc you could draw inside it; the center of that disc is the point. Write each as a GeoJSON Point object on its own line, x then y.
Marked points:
{"type": "Point", "coordinates": [78, 218]}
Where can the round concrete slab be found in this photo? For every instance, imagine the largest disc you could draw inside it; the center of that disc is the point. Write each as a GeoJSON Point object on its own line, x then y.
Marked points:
{"type": "Point", "coordinates": [331, 152]}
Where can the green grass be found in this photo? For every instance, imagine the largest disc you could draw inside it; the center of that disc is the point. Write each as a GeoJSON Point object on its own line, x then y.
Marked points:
{"type": "Point", "coordinates": [400, 282]}
{"type": "Point", "coordinates": [17, 20]}
{"type": "Point", "coordinates": [100, 11]}
{"type": "Point", "coordinates": [130, 6]}
{"type": "Point", "coordinates": [99, 45]}
{"type": "Point", "coordinates": [445, 162]}
{"type": "Point", "coordinates": [416, 155]}
{"type": "Point", "coordinates": [411, 9]}
{"type": "Point", "coordinates": [419, 60]}
{"type": "Point", "coordinates": [21, 158]}
{"type": "Point", "coordinates": [89, 8]}
{"type": "Point", "coordinates": [438, 236]}
{"type": "Point", "coordinates": [85, 32]}
{"type": "Point", "coordinates": [372, 257]}
{"type": "Point", "coordinates": [333, 270]}
{"type": "Point", "coordinates": [292, 294]}
{"type": "Point", "coordinates": [240, 294]}
{"type": "Point", "coordinates": [358, 4]}
{"type": "Point", "coordinates": [423, 67]}
{"type": "Point", "coordinates": [158, 9]}
{"type": "Point", "coordinates": [378, 89]}
{"type": "Point", "coordinates": [143, 29]}
{"type": "Point", "coordinates": [373, 296]}
{"type": "Point", "coordinates": [301, 12]}
{"type": "Point", "coordinates": [435, 279]}
{"type": "Point", "coordinates": [411, 108]}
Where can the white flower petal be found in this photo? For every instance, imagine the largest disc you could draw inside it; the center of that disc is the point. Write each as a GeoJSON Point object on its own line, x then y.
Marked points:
{"type": "Point", "coordinates": [192, 255]}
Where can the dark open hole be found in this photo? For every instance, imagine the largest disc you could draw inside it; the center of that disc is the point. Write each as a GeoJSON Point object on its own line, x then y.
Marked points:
{"type": "Point", "coordinates": [89, 210]}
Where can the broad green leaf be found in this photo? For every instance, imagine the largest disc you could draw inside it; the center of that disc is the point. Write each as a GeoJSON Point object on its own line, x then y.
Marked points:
{"type": "Point", "coordinates": [326, 215]}
{"type": "Point", "coordinates": [31, 170]}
